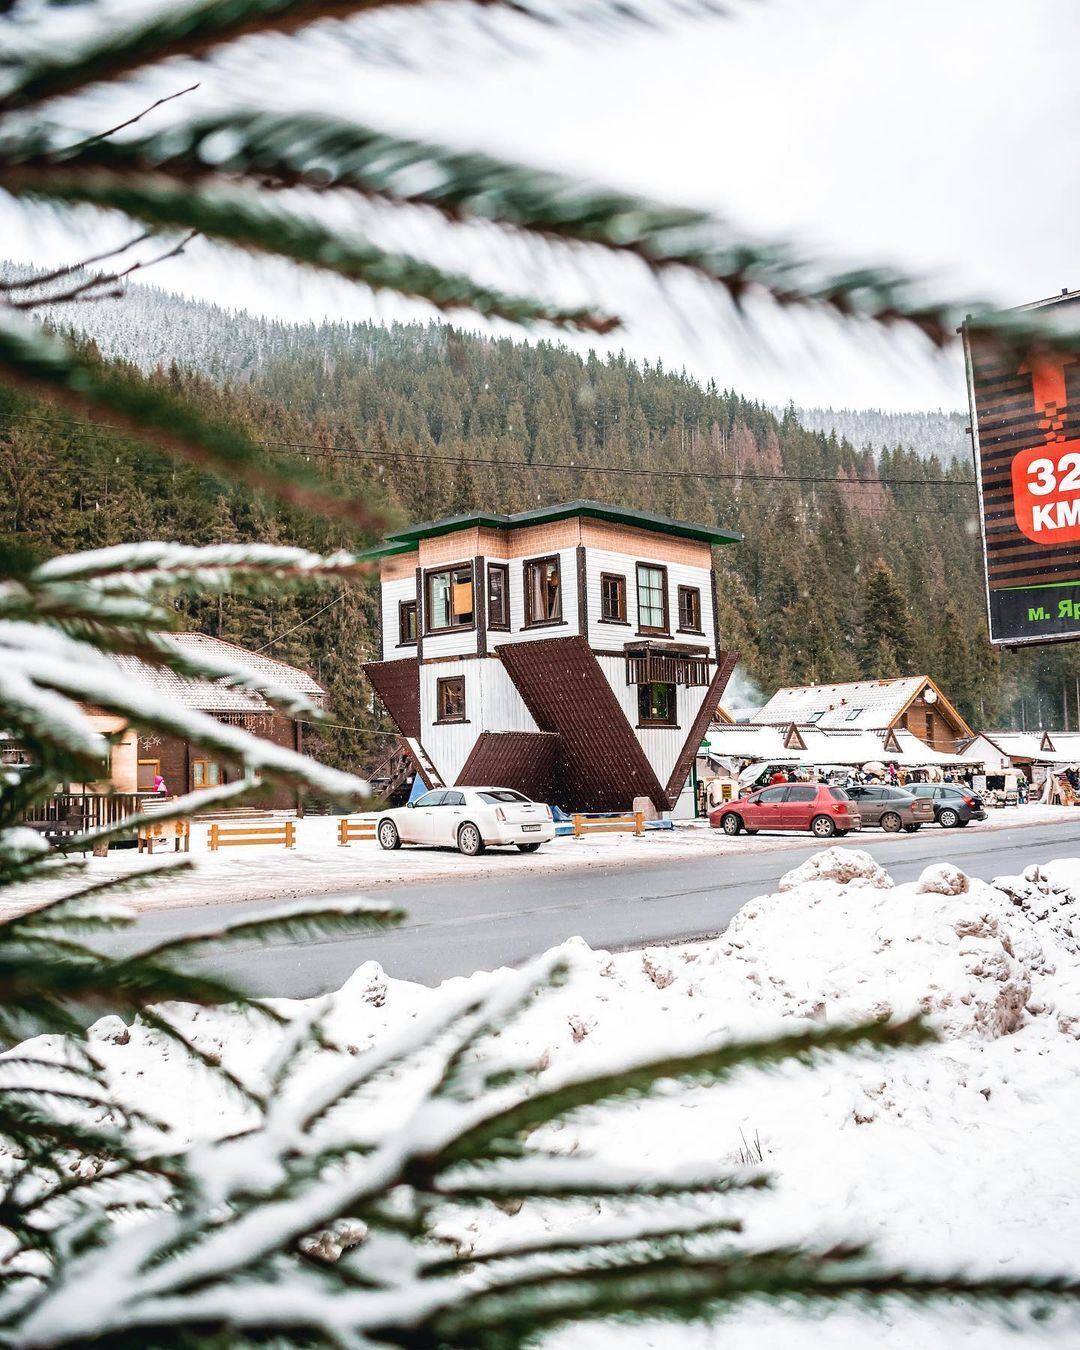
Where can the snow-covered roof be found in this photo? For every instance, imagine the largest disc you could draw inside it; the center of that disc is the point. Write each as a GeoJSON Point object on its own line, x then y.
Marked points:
{"type": "Point", "coordinates": [769, 744]}
{"type": "Point", "coordinates": [215, 695]}
{"type": "Point", "coordinates": [1042, 747]}
{"type": "Point", "coordinates": [860, 704]}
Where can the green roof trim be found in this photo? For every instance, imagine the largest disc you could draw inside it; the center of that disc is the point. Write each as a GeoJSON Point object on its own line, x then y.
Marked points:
{"type": "Point", "coordinates": [385, 551]}
{"type": "Point", "coordinates": [617, 515]}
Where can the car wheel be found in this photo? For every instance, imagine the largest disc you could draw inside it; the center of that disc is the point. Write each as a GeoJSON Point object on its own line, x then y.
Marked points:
{"type": "Point", "coordinates": [910, 829]}
{"type": "Point", "coordinates": [469, 840]}
{"type": "Point", "coordinates": [948, 818]}
{"type": "Point", "coordinates": [891, 821]}
{"type": "Point", "coordinates": [388, 835]}
{"type": "Point", "coordinates": [730, 823]}
{"type": "Point", "coordinates": [528, 848]}
{"type": "Point", "coordinates": [823, 827]}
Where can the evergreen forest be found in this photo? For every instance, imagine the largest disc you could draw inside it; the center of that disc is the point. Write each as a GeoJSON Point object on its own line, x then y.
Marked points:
{"type": "Point", "coordinates": [854, 562]}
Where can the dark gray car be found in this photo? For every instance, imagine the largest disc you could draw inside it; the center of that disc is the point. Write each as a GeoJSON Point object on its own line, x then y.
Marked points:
{"type": "Point", "coordinates": [952, 805]}
{"type": "Point", "coordinates": [892, 808]}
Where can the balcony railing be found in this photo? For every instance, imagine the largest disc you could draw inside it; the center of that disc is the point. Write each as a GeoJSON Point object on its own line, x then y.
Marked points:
{"type": "Point", "coordinates": [646, 664]}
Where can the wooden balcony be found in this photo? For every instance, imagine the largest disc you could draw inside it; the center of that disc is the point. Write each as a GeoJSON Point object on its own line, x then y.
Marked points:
{"type": "Point", "coordinates": [649, 664]}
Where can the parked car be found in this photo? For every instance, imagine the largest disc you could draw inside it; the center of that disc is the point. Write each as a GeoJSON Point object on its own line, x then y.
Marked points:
{"type": "Point", "coordinates": [952, 805]}
{"type": "Point", "coordinates": [892, 808]}
{"type": "Point", "coordinates": [817, 807]}
{"type": "Point", "coordinates": [468, 819]}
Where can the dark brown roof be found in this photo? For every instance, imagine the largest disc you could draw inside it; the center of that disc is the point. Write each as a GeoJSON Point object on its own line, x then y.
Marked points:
{"type": "Point", "coordinates": [601, 766]}
{"type": "Point", "coordinates": [701, 725]}
{"type": "Point", "coordinates": [525, 760]}
{"type": "Point", "coordinates": [397, 683]}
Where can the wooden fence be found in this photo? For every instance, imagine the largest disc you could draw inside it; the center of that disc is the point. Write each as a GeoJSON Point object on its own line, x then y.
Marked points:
{"type": "Point", "coordinates": [608, 824]}
{"type": "Point", "coordinates": [283, 833]}
{"type": "Point", "coordinates": [352, 831]}
{"type": "Point", "coordinates": [65, 814]}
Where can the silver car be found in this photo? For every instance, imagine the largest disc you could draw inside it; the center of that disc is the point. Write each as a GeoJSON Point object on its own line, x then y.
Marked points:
{"type": "Point", "coordinates": [893, 808]}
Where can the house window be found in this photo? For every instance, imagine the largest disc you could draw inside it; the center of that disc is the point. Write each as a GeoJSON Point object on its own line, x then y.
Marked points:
{"type": "Point", "coordinates": [690, 609]}
{"type": "Point", "coordinates": [498, 595]}
{"type": "Point", "coordinates": [205, 773]}
{"type": "Point", "coordinates": [149, 770]}
{"type": "Point", "coordinates": [450, 598]}
{"type": "Point", "coordinates": [451, 699]}
{"type": "Point", "coordinates": [407, 623]}
{"type": "Point", "coordinates": [656, 705]}
{"type": "Point", "coordinates": [930, 728]}
{"type": "Point", "coordinates": [543, 591]}
{"type": "Point", "coordinates": [854, 714]}
{"type": "Point", "coordinates": [612, 598]}
{"type": "Point", "coordinates": [652, 598]}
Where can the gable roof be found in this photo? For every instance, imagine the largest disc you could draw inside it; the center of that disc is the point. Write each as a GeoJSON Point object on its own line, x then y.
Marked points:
{"type": "Point", "coordinates": [401, 541]}
{"type": "Point", "coordinates": [870, 705]}
{"type": "Point", "coordinates": [214, 695]}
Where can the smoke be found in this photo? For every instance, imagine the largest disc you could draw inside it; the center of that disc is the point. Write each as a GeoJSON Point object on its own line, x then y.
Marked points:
{"type": "Point", "coordinates": [743, 696]}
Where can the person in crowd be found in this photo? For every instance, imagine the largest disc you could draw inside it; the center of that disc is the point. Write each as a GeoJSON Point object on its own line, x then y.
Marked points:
{"type": "Point", "coordinates": [778, 776]}
{"type": "Point", "coordinates": [1022, 790]}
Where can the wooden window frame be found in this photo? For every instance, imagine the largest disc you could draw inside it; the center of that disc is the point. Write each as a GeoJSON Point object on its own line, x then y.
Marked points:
{"type": "Point", "coordinates": [684, 627]}
{"type": "Point", "coordinates": [500, 625]}
{"type": "Point", "coordinates": [672, 721]}
{"type": "Point", "coordinates": [642, 628]}
{"type": "Point", "coordinates": [442, 685]}
{"type": "Point", "coordinates": [530, 621]}
{"type": "Point", "coordinates": [157, 773]}
{"type": "Point", "coordinates": [619, 618]}
{"type": "Point", "coordinates": [205, 760]}
{"type": "Point", "coordinates": [403, 640]}
{"type": "Point", "coordinates": [430, 630]}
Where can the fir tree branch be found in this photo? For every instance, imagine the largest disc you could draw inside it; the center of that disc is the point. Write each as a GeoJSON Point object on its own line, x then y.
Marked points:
{"type": "Point", "coordinates": [246, 219]}
{"type": "Point", "coordinates": [552, 1103]}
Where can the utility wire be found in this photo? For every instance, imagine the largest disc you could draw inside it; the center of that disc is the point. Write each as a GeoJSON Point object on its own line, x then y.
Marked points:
{"type": "Point", "coordinates": [345, 452]}
{"type": "Point", "coordinates": [301, 624]}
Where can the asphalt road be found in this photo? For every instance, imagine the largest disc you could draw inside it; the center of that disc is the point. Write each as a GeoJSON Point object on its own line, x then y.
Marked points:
{"type": "Point", "coordinates": [456, 927]}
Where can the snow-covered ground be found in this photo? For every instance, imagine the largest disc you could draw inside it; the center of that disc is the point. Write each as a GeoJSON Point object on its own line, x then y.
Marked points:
{"type": "Point", "coordinates": [318, 865]}
{"type": "Point", "coordinates": [964, 1154]}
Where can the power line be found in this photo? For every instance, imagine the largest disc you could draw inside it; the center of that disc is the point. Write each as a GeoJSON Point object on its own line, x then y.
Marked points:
{"type": "Point", "coordinates": [346, 452]}
{"type": "Point", "coordinates": [301, 624]}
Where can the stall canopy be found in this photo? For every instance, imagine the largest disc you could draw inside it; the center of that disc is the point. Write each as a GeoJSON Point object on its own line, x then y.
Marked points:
{"type": "Point", "coordinates": [808, 746]}
{"type": "Point", "coordinates": [1000, 750]}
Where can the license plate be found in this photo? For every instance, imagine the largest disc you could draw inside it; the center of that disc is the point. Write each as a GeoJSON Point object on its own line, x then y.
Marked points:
{"type": "Point", "coordinates": [530, 827]}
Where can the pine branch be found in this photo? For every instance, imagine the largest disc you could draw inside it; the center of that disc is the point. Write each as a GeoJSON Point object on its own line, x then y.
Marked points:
{"type": "Point", "coordinates": [581, 1179]}
{"type": "Point", "coordinates": [98, 282]}
{"type": "Point", "coordinates": [322, 152]}
{"type": "Point", "coordinates": [298, 922]}
{"type": "Point", "coordinates": [200, 27]}
{"type": "Point", "coordinates": [157, 1021]}
{"type": "Point", "coordinates": [552, 1103]}
{"type": "Point", "coordinates": [33, 361]}
{"type": "Point", "coordinates": [43, 278]}
{"type": "Point", "coordinates": [246, 219]}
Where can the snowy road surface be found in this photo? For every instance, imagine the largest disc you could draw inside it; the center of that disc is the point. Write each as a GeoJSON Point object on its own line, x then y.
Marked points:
{"type": "Point", "coordinates": [456, 927]}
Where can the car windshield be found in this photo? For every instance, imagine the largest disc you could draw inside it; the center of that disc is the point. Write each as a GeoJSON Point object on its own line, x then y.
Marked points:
{"type": "Point", "coordinates": [502, 795]}
{"type": "Point", "coordinates": [839, 795]}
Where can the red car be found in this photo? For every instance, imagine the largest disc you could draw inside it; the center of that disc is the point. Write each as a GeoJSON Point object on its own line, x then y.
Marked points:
{"type": "Point", "coordinates": [816, 807]}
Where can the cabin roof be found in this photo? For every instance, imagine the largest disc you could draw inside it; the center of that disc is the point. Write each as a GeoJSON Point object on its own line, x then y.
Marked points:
{"type": "Point", "coordinates": [403, 541]}
{"type": "Point", "coordinates": [214, 695]}
{"type": "Point", "coordinates": [857, 705]}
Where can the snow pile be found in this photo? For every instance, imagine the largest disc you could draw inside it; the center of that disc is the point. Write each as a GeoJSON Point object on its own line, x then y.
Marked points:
{"type": "Point", "coordinates": [963, 1154]}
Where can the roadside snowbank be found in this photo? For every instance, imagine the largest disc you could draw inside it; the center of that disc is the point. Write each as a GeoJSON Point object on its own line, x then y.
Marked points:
{"type": "Point", "coordinates": [964, 1154]}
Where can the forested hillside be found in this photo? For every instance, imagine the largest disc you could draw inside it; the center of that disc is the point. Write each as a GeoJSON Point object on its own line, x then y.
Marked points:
{"type": "Point", "coordinates": [424, 420]}
{"type": "Point", "coordinates": [932, 433]}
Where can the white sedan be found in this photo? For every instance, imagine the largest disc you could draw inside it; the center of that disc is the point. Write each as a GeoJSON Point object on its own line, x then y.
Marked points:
{"type": "Point", "coordinates": [468, 819]}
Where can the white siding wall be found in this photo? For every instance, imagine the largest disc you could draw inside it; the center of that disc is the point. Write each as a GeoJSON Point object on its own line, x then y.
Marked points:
{"type": "Point", "coordinates": [458, 642]}
{"type": "Point", "coordinates": [449, 745]}
{"type": "Point", "coordinates": [598, 561]}
{"type": "Point", "coordinates": [492, 703]}
{"type": "Point", "coordinates": [393, 592]}
{"type": "Point", "coordinates": [518, 632]}
{"type": "Point", "coordinates": [661, 744]}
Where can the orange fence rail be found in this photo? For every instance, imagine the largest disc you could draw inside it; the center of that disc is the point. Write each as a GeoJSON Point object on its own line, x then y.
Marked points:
{"type": "Point", "coordinates": [284, 834]}
{"type": "Point", "coordinates": [608, 824]}
{"type": "Point", "coordinates": [352, 831]}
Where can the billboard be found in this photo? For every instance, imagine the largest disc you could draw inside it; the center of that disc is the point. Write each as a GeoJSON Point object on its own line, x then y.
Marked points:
{"type": "Point", "coordinates": [1025, 422]}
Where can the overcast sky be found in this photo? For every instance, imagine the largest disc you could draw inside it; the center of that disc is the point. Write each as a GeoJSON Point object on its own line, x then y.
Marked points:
{"type": "Point", "coordinates": [937, 135]}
